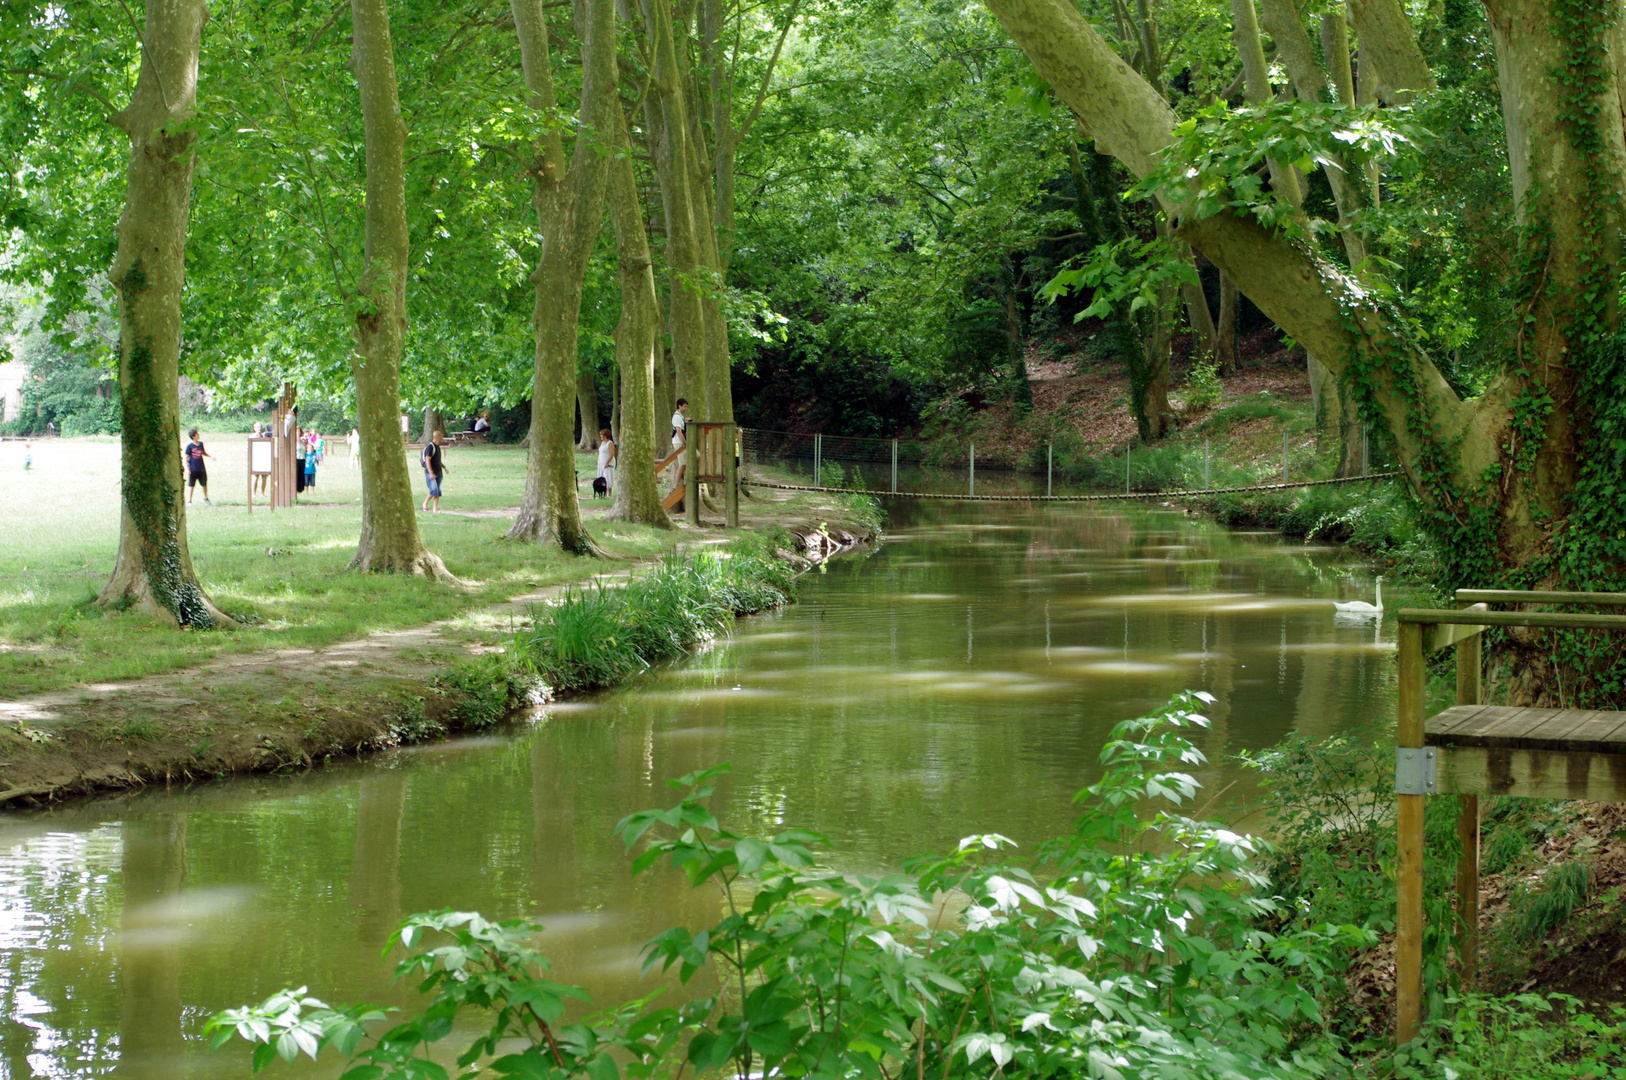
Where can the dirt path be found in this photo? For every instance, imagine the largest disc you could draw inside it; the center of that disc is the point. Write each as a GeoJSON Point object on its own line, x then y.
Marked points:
{"type": "Point", "coordinates": [291, 708]}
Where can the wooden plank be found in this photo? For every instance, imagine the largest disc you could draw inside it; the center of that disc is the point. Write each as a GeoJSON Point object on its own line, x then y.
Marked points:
{"type": "Point", "coordinates": [1557, 620]}
{"type": "Point", "coordinates": [1516, 596]}
{"type": "Point", "coordinates": [1443, 637]}
{"type": "Point", "coordinates": [1495, 722]}
{"type": "Point", "coordinates": [1556, 730]}
{"type": "Point", "coordinates": [1533, 774]}
{"type": "Point", "coordinates": [1444, 723]}
{"type": "Point", "coordinates": [673, 497]}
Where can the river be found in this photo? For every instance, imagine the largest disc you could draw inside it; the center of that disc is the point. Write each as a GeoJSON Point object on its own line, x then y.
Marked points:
{"type": "Point", "coordinates": [961, 678]}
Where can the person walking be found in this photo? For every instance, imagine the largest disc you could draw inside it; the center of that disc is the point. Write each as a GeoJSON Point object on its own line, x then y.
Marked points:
{"type": "Point", "coordinates": [433, 459]}
{"type": "Point", "coordinates": [354, 442]}
{"type": "Point", "coordinates": [607, 451]}
{"type": "Point", "coordinates": [196, 472]}
{"type": "Point", "coordinates": [313, 458]}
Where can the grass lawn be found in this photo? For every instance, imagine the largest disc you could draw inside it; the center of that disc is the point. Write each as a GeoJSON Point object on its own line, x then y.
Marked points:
{"type": "Point", "coordinates": [284, 571]}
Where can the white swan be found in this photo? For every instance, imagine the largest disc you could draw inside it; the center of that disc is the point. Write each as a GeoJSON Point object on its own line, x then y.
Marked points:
{"type": "Point", "coordinates": [1361, 607]}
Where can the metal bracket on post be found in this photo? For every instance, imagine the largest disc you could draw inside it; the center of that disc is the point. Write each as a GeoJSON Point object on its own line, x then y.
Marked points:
{"type": "Point", "coordinates": [1416, 770]}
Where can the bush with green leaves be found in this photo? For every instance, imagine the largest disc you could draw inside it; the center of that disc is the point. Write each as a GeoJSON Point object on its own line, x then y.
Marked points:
{"type": "Point", "coordinates": [1131, 947]}
{"type": "Point", "coordinates": [601, 635]}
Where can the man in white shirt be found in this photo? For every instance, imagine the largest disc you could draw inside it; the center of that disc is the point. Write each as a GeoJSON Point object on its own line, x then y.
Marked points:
{"type": "Point", "coordinates": [680, 429]}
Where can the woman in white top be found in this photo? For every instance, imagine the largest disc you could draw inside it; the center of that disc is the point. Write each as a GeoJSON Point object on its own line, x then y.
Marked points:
{"type": "Point", "coordinates": [354, 442]}
{"type": "Point", "coordinates": [680, 434]}
{"type": "Point", "coordinates": [606, 459]}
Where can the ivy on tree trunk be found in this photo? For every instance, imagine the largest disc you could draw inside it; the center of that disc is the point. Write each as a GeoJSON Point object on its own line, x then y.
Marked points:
{"type": "Point", "coordinates": [153, 570]}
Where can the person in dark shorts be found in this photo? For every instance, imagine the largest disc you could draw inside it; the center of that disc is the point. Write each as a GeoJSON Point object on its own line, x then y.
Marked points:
{"type": "Point", "coordinates": [433, 459]}
{"type": "Point", "coordinates": [197, 475]}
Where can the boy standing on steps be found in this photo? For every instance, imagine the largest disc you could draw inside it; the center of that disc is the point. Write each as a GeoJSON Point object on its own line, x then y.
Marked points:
{"type": "Point", "coordinates": [434, 467]}
{"type": "Point", "coordinates": [680, 436]}
{"type": "Point", "coordinates": [196, 472]}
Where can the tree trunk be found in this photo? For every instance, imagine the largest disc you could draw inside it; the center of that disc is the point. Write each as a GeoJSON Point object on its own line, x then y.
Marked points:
{"type": "Point", "coordinates": [389, 524]}
{"type": "Point", "coordinates": [1389, 50]}
{"type": "Point", "coordinates": [666, 116]}
{"type": "Point", "coordinates": [1284, 179]}
{"type": "Point", "coordinates": [432, 422]}
{"type": "Point", "coordinates": [569, 212]}
{"type": "Point", "coordinates": [665, 397]}
{"type": "Point", "coordinates": [153, 571]}
{"type": "Point", "coordinates": [1492, 505]}
{"type": "Point", "coordinates": [587, 405]}
{"type": "Point", "coordinates": [1203, 330]}
{"type": "Point", "coordinates": [1324, 397]}
{"type": "Point", "coordinates": [636, 496]}
{"type": "Point", "coordinates": [1225, 330]}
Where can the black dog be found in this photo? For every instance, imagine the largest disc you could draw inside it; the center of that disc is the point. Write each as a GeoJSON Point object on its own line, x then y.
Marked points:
{"type": "Point", "coordinates": [601, 487]}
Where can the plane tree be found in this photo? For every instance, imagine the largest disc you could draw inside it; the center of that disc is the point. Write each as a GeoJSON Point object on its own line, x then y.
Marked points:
{"type": "Point", "coordinates": [1519, 479]}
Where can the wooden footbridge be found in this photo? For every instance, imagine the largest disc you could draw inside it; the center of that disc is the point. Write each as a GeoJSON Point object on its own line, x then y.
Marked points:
{"type": "Point", "coordinates": [1472, 749]}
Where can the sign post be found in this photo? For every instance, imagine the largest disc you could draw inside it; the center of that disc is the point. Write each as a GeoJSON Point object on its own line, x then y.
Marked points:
{"type": "Point", "coordinates": [259, 464]}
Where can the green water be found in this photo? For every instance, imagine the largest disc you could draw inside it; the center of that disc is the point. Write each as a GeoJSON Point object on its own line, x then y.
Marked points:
{"type": "Point", "coordinates": [959, 679]}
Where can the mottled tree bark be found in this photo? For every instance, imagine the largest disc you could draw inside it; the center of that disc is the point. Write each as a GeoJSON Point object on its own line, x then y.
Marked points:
{"type": "Point", "coordinates": [153, 571]}
{"type": "Point", "coordinates": [1389, 51]}
{"type": "Point", "coordinates": [569, 208]}
{"type": "Point", "coordinates": [587, 405]}
{"type": "Point", "coordinates": [389, 522]}
{"type": "Point", "coordinates": [666, 115]}
{"type": "Point", "coordinates": [1225, 329]}
{"type": "Point", "coordinates": [636, 496]}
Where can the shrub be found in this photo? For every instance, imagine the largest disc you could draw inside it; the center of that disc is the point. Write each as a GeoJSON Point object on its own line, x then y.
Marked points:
{"type": "Point", "coordinates": [600, 635]}
{"type": "Point", "coordinates": [1203, 387]}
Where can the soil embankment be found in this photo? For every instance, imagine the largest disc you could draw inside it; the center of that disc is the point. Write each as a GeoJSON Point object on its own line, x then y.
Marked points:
{"type": "Point", "coordinates": [295, 708]}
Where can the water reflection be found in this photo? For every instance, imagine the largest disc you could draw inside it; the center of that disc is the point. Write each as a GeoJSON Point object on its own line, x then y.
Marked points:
{"type": "Point", "coordinates": [961, 679]}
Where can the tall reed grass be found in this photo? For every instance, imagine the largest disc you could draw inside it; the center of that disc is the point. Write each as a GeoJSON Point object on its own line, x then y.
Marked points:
{"type": "Point", "coordinates": [602, 635]}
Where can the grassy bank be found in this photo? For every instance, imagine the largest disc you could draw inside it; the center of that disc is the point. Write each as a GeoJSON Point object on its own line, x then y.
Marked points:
{"type": "Point", "coordinates": [283, 574]}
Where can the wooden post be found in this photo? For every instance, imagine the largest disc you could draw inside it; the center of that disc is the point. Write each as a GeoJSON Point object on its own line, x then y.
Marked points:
{"type": "Point", "coordinates": [1468, 691]}
{"type": "Point", "coordinates": [1049, 468]}
{"type": "Point", "coordinates": [971, 476]}
{"type": "Point", "coordinates": [1284, 457]}
{"type": "Point", "coordinates": [691, 475]}
{"type": "Point", "coordinates": [251, 477]}
{"type": "Point", "coordinates": [1409, 883]}
{"type": "Point", "coordinates": [894, 466]}
{"type": "Point", "coordinates": [731, 479]}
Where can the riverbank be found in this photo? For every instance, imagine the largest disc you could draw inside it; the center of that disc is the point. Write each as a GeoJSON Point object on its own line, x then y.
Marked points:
{"type": "Point", "coordinates": [1261, 425]}
{"type": "Point", "coordinates": [283, 694]}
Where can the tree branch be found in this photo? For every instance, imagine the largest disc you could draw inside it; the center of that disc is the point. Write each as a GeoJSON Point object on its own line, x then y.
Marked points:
{"type": "Point", "coordinates": [83, 88]}
{"type": "Point", "coordinates": [767, 76]}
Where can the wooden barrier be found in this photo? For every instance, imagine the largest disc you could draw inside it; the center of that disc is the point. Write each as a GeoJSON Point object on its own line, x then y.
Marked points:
{"type": "Point", "coordinates": [1470, 750]}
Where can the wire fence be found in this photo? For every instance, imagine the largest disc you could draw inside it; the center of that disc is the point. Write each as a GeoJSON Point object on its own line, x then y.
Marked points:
{"type": "Point", "coordinates": [889, 465]}
{"type": "Point", "coordinates": [1117, 495]}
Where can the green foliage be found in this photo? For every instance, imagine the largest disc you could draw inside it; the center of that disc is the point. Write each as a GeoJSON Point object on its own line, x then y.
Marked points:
{"type": "Point", "coordinates": [1126, 276]}
{"type": "Point", "coordinates": [1552, 1036]}
{"type": "Point", "coordinates": [482, 691]}
{"type": "Point", "coordinates": [602, 635]}
{"type": "Point", "coordinates": [1562, 891]}
{"type": "Point", "coordinates": [1217, 156]}
{"type": "Point", "coordinates": [66, 388]}
{"type": "Point", "coordinates": [1203, 387]}
{"type": "Point", "coordinates": [1130, 947]}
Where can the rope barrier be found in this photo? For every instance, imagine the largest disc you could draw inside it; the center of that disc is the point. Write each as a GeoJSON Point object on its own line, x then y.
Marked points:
{"type": "Point", "coordinates": [1071, 498]}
